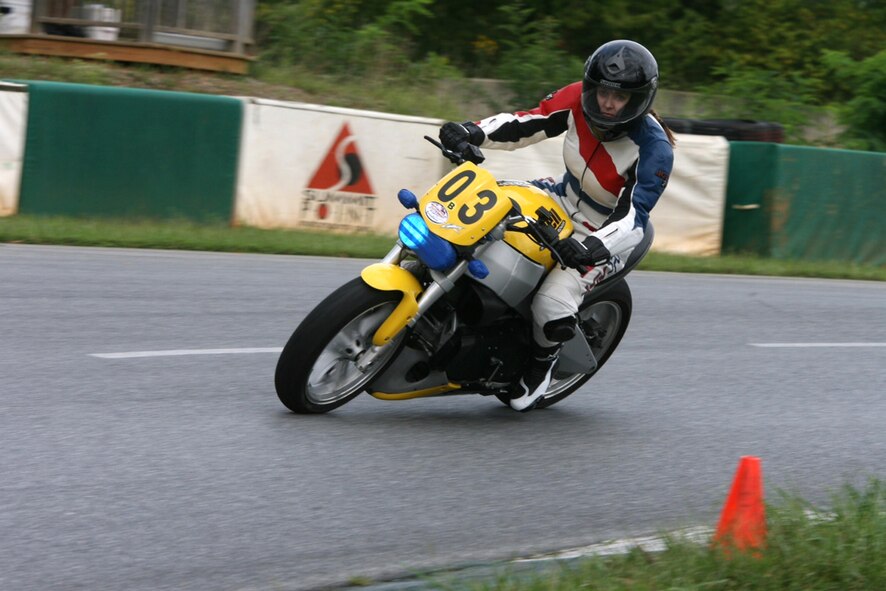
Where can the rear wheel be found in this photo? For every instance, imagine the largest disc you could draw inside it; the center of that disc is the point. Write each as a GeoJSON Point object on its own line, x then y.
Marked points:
{"type": "Point", "coordinates": [604, 320]}
{"type": "Point", "coordinates": [317, 370]}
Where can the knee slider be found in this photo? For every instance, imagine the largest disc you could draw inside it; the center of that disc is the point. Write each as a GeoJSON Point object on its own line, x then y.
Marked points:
{"type": "Point", "coordinates": [560, 330]}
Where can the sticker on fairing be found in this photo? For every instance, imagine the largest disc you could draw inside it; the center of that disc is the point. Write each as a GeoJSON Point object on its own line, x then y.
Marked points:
{"type": "Point", "coordinates": [436, 212]}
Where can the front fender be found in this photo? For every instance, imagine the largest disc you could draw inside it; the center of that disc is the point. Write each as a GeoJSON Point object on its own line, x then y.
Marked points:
{"type": "Point", "coordinates": [387, 277]}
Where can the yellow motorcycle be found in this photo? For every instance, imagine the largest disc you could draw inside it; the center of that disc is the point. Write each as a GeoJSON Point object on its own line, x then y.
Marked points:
{"type": "Point", "coordinates": [447, 311]}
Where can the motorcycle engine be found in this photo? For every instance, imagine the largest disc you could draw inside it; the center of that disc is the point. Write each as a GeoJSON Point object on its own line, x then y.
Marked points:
{"type": "Point", "coordinates": [494, 354]}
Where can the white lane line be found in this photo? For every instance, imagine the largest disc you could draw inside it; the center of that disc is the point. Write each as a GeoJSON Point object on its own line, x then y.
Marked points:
{"type": "Point", "coordinates": [179, 352]}
{"type": "Point", "coordinates": [808, 345]}
{"type": "Point", "coordinates": [699, 535]}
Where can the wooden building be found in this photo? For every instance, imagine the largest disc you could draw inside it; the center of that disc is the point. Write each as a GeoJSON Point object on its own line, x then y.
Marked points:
{"type": "Point", "coordinates": [201, 34]}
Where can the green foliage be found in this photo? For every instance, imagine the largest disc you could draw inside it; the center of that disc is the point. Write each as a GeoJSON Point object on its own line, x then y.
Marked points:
{"type": "Point", "coordinates": [840, 547]}
{"type": "Point", "coordinates": [531, 60]}
{"type": "Point", "coordinates": [772, 55]}
{"type": "Point", "coordinates": [360, 48]}
{"type": "Point", "coordinates": [403, 14]}
{"type": "Point", "coordinates": [864, 113]}
{"type": "Point", "coordinates": [768, 95]}
{"type": "Point", "coordinates": [686, 59]}
{"type": "Point", "coordinates": [361, 38]}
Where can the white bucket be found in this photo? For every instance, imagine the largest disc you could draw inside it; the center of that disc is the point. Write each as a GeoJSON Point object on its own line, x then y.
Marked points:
{"type": "Point", "coordinates": [100, 12]}
{"type": "Point", "coordinates": [18, 20]}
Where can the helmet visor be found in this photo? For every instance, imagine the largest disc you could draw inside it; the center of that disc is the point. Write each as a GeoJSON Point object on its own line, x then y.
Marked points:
{"type": "Point", "coordinates": [607, 107]}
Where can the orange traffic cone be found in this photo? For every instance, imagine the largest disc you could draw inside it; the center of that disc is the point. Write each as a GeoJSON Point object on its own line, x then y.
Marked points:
{"type": "Point", "coordinates": [743, 521]}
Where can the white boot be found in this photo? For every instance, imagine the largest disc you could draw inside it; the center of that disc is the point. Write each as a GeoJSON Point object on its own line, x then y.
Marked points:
{"type": "Point", "coordinates": [534, 383]}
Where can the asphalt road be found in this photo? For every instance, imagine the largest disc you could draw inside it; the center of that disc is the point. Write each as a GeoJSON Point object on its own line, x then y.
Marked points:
{"type": "Point", "coordinates": [185, 472]}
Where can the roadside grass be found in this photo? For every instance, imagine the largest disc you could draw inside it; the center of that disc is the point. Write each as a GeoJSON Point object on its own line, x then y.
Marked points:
{"type": "Point", "coordinates": [220, 236]}
{"type": "Point", "coordinates": [840, 548]}
{"type": "Point", "coordinates": [187, 235]}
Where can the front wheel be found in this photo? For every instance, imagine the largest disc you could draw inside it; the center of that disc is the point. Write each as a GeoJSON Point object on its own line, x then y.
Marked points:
{"type": "Point", "coordinates": [317, 370]}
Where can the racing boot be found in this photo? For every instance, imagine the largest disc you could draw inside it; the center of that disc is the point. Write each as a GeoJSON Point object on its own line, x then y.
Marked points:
{"type": "Point", "coordinates": [536, 380]}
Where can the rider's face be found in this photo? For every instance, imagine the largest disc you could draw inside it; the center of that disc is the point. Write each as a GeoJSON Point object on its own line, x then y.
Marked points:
{"type": "Point", "coordinates": [611, 102]}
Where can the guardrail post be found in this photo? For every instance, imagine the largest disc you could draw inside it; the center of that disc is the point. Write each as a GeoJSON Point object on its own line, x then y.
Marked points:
{"type": "Point", "coordinates": [148, 19]}
{"type": "Point", "coordinates": [39, 9]}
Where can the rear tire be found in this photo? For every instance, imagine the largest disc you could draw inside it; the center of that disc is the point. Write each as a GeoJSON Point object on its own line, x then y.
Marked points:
{"type": "Point", "coordinates": [606, 316]}
{"type": "Point", "coordinates": [316, 371]}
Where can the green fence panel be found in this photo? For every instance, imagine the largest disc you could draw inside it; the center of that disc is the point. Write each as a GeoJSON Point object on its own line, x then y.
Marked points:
{"type": "Point", "coordinates": [751, 176]}
{"type": "Point", "coordinates": [797, 202]}
{"type": "Point", "coordinates": [123, 152]}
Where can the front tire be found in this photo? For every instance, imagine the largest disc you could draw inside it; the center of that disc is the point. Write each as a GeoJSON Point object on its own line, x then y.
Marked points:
{"type": "Point", "coordinates": [317, 371]}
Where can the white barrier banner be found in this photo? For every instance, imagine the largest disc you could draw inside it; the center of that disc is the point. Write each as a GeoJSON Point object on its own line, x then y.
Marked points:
{"type": "Point", "coordinates": [313, 167]}
{"type": "Point", "coordinates": [688, 217]}
{"type": "Point", "coordinates": [13, 124]}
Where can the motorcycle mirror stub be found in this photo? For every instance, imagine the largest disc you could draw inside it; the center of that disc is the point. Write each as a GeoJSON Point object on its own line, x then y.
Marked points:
{"type": "Point", "coordinates": [407, 198]}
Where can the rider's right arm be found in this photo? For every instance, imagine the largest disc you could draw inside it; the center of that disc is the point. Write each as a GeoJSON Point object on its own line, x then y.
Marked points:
{"type": "Point", "coordinates": [509, 131]}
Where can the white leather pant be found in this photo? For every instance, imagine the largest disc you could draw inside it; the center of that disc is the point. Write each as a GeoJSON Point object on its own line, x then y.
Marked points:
{"type": "Point", "coordinates": [562, 292]}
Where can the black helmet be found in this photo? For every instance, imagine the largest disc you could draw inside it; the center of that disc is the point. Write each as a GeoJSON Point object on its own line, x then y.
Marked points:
{"type": "Point", "coordinates": [624, 66]}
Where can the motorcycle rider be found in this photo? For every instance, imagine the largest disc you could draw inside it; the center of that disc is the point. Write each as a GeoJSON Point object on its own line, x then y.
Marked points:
{"type": "Point", "coordinates": [618, 156]}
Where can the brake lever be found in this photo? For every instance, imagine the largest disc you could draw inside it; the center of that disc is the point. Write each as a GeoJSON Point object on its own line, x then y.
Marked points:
{"type": "Point", "coordinates": [465, 152]}
{"type": "Point", "coordinates": [453, 157]}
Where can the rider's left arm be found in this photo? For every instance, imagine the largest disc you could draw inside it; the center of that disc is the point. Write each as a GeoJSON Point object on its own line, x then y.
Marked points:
{"type": "Point", "coordinates": [625, 226]}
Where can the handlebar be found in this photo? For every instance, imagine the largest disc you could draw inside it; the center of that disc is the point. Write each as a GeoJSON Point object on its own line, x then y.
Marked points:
{"type": "Point", "coordinates": [545, 234]}
{"type": "Point", "coordinates": [465, 152]}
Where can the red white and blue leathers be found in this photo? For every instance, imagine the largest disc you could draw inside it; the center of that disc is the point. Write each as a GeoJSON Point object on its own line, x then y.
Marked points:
{"type": "Point", "coordinates": [608, 189]}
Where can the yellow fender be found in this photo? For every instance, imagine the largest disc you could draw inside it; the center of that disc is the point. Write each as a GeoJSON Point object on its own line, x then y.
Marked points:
{"type": "Point", "coordinates": [387, 277]}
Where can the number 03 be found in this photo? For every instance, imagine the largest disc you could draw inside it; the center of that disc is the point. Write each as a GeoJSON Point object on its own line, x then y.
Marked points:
{"type": "Point", "coordinates": [456, 186]}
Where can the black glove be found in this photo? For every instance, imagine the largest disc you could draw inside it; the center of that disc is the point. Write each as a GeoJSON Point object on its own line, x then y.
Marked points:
{"type": "Point", "coordinates": [454, 135]}
{"type": "Point", "coordinates": [589, 253]}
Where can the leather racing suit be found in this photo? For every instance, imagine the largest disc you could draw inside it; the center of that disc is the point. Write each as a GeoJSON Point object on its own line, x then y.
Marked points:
{"type": "Point", "coordinates": [608, 188]}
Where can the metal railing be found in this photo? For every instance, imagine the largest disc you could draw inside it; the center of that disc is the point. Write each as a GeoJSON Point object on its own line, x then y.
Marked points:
{"type": "Point", "coordinates": [212, 25]}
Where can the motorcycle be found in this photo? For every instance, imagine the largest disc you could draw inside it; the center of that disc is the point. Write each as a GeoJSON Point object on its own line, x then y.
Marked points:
{"type": "Point", "coordinates": [447, 311]}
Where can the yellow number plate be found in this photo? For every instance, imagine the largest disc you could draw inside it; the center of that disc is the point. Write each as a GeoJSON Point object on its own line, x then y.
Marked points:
{"type": "Point", "coordinates": [465, 205]}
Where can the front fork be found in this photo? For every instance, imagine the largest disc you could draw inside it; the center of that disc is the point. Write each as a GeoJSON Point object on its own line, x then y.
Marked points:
{"type": "Point", "coordinates": [388, 275]}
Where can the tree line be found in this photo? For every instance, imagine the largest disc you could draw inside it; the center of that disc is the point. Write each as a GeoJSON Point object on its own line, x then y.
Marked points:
{"type": "Point", "coordinates": [785, 60]}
